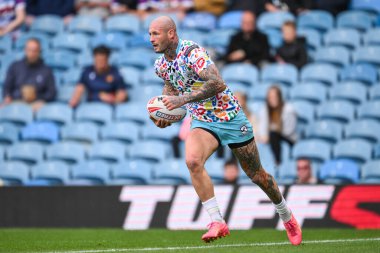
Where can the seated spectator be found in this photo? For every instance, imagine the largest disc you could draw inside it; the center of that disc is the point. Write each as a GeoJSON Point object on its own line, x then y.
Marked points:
{"type": "Point", "coordinates": [62, 8]}
{"type": "Point", "coordinates": [101, 82]}
{"type": "Point", "coordinates": [124, 6]}
{"type": "Point", "coordinates": [293, 50]}
{"type": "Point", "coordinates": [180, 7]}
{"type": "Point", "coordinates": [249, 45]}
{"type": "Point", "coordinates": [12, 16]}
{"type": "Point", "coordinates": [216, 7]}
{"type": "Point", "coordinates": [100, 8]}
{"type": "Point", "coordinates": [30, 80]}
{"type": "Point", "coordinates": [304, 172]}
{"type": "Point", "coordinates": [231, 172]}
{"type": "Point", "coordinates": [293, 6]}
{"type": "Point", "coordinates": [277, 122]}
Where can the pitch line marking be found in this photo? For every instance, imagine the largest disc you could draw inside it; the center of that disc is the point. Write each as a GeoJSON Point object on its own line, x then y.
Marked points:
{"type": "Point", "coordinates": [217, 246]}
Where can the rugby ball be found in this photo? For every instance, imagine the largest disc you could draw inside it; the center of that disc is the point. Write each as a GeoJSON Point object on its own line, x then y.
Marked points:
{"type": "Point", "coordinates": [158, 110]}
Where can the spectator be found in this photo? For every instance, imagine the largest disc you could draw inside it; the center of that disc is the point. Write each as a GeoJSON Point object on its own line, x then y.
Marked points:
{"type": "Point", "coordinates": [62, 8]}
{"type": "Point", "coordinates": [293, 50]}
{"type": "Point", "coordinates": [249, 45]}
{"type": "Point", "coordinates": [277, 122]}
{"type": "Point", "coordinates": [231, 172]}
{"type": "Point", "coordinates": [30, 80]}
{"type": "Point", "coordinates": [124, 6]}
{"type": "Point", "coordinates": [100, 8]}
{"type": "Point", "coordinates": [180, 7]}
{"type": "Point", "coordinates": [304, 172]}
{"type": "Point", "coordinates": [12, 16]}
{"type": "Point", "coordinates": [216, 7]}
{"type": "Point", "coordinates": [101, 81]}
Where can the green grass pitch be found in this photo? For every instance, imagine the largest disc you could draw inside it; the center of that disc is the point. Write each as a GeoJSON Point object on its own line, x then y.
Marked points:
{"type": "Point", "coordinates": [158, 240]}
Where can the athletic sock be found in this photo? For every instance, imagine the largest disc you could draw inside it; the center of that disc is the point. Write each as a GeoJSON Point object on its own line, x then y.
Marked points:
{"type": "Point", "coordinates": [212, 208]}
{"type": "Point", "coordinates": [283, 210]}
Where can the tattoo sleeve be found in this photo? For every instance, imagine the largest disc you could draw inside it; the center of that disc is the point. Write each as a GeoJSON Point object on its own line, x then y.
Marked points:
{"type": "Point", "coordinates": [169, 89]}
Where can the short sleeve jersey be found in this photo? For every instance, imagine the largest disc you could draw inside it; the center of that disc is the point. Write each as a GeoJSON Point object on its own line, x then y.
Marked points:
{"type": "Point", "coordinates": [183, 74]}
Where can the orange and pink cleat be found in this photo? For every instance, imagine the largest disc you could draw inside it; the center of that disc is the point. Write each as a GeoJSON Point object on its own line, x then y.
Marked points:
{"type": "Point", "coordinates": [294, 231]}
{"type": "Point", "coordinates": [216, 230]}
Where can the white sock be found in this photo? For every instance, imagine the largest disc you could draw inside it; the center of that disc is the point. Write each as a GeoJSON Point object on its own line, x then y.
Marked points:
{"type": "Point", "coordinates": [283, 210]}
{"type": "Point", "coordinates": [212, 208]}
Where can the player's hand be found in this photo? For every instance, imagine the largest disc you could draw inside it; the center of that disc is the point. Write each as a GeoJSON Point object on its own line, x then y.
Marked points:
{"type": "Point", "coordinates": [161, 123]}
{"type": "Point", "coordinates": [173, 102]}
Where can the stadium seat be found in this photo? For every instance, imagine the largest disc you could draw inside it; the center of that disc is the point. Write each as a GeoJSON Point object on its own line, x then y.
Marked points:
{"type": "Point", "coordinates": [282, 73]}
{"type": "Point", "coordinates": [68, 152]}
{"type": "Point", "coordinates": [172, 172]}
{"type": "Point", "coordinates": [312, 92]}
{"type": "Point", "coordinates": [258, 93]}
{"type": "Point", "coordinates": [193, 35]}
{"type": "Point", "coordinates": [273, 20]}
{"type": "Point", "coordinates": [313, 38]}
{"type": "Point", "coordinates": [29, 153]}
{"type": "Point", "coordinates": [80, 131]}
{"type": "Point", "coordinates": [325, 130]}
{"type": "Point", "coordinates": [145, 93]}
{"type": "Point", "coordinates": [240, 72]}
{"type": "Point", "coordinates": [50, 173]}
{"type": "Point", "coordinates": [71, 42]}
{"type": "Point", "coordinates": [315, 150]}
{"type": "Point", "coordinates": [215, 169]}
{"type": "Point", "coordinates": [219, 40]}
{"type": "Point", "coordinates": [124, 132]}
{"type": "Point", "coordinates": [13, 173]}
{"type": "Point", "coordinates": [17, 113]}
{"type": "Point", "coordinates": [366, 129]}
{"type": "Point", "coordinates": [123, 23]}
{"type": "Point", "coordinates": [48, 24]}
{"type": "Point", "coordinates": [239, 87]}
{"type": "Point", "coordinates": [134, 112]}
{"type": "Point", "coordinates": [367, 55]}
{"type": "Point", "coordinates": [372, 37]}
{"type": "Point", "coordinates": [5, 45]}
{"type": "Point", "coordinates": [41, 132]}
{"type": "Point", "coordinates": [149, 150]}
{"type": "Point", "coordinates": [355, 149]}
{"type": "Point", "coordinates": [274, 37]}
{"type": "Point", "coordinates": [149, 77]}
{"type": "Point", "coordinates": [71, 77]}
{"type": "Point", "coordinates": [84, 59]}
{"type": "Point", "coordinates": [131, 76]}
{"type": "Point", "coordinates": [354, 19]}
{"type": "Point", "coordinates": [86, 24]}
{"type": "Point", "coordinates": [366, 5]}
{"type": "Point", "coordinates": [337, 55]}
{"type": "Point", "coordinates": [202, 21]}
{"type": "Point", "coordinates": [132, 173]}
{"type": "Point", "coordinates": [340, 111]}
{"type": "Point", "coordinates": [349, 38]}
{"type": "Point", "coordinates": [60, 61]}
{"type": "Point", "coordinates": [91, 173]}
{"type": "Point", "coordinates": [109, 151]}
{"type": "Point", "coordinates": [377, 151]}
{"type": "Point", "coordinates": [374, 92]}
{"type": "Point", "coordinates": [352, 92]}
{"type": "Point", "coordinates": [341, 171]}
{"type": "Point", "coordinates": [321, 21]}
{"type": "Point", "coordinates": [319, 72]}
{"type": "Point", "coordinates": [139, 59]}
{"type": "Point", "coordinates": [364, 73]}
{"type": "Point", "coordinates": [42, 38]}
{"type": "Point", "coordinates": [140, 40]}
{"type": "Point", "coordinates": [230, 20]}
{"type": "Point", "coordinates": [96, 112]}
{"type": "Point", "coordinates": [266, 158]}
{"type": "Point", "coordinates": [65, 93]}
{"type": "Point", "coordinates": [55, 112]}
{"type": "Point", "coordinates": [114, 41]}
{"type": "Point", "coordinates": [152, 132]}
{"type": "Point", "coordinates": [370, 172]}
{"type": "Point", "coordinates": [8, 134]}
{"type": "Point", "coordinates": [305, 111]}
{"type": "Point", "coordinates": [287, 173]}
{"type": "Point", "coordinates": [370, 110]}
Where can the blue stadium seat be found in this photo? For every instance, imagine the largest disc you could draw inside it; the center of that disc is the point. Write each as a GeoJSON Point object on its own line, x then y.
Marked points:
{"type": "Point", "coordinates": [152, 132]}
{"type": "Point", "coordinates": [140, 59]}
{"type": "Point", "coordinates": [355, 149]}
{"type": "Point", "coordinates": [366, 129]}
{"type": "Point", "coordinates": [99, 113]}
{"type": "Point", "coordinates": [41, 132]}
{"type": "Point", "coordinates": [60, 61]}
{"type": "Point", "coordinates": [354, 19]}
{"type": "Point", "coordinates": [5, 45]}
{"type": "Point", "coordinates": [50, 173]}
{"type": "Point", "coordinates": [266, 158]}
{"type": "Point", "coordinates": [68, 152]}
{"type": "Point", "coordinates": [86, 24]}
{"type": "Point", "coordinates": [321, 21]}
{"type": "Point", "coordinates": [372, 37]}
{"type": "Point", "coordinates": [131, 76]}
{"type": "Point", "coordinates": [13, 173]}
{"type": "Point", "coordinates": [342, 171]}
{"type": "Point", "coordinates": [8, 134]}
{"type": "Point", "coordinates": [149, 77]}
{"type": "Point", "coordinates": [125, 132]}
{"type": "Point", "coordinates": [193, 35]}
{"type": "Point", "coordinates": [305, 111]}
{"type": "Point", "coordinates": [312, 92]}
{"type": "Point", "coordinates": [132, 173]}
{"type": "Point", "coordinates": [340, 111]}
{"type": "Point", "coordinates": [134, 112]}
{"type": "Point", "coordinates": [145, 93]}
{"type": "Point", "coordinates": [274, 37]}
{"type": "Point", "coordinates": [273, 20]}
{"type": "Point", "coordinates": [239, 87]}
{"type": "Point", "coordinates": [367, 54]}
{"type": "Point", "coordinates": [201, 21]}
{"type": "Point", "coordinates": [230, 20]}
{"type": "Point", "coordinates": [71, 77]}
{"type": "Point", "coordinates": [374, 92]}
{"type": "Point", "coordinates": [219, 40]}
{"type": "Point", "coordinates": [319, 72]}
{"type": "Point", "coordinates": [287, 173]}
{"type": "Point", "coordinates": [29, 153]}
{"type": "Point", "coordinates": [313, 38]}
{"type": "Point", "coordinates": [42, 38]}
{"type": "Point", "coordinates": [91, 173]}
{"type": "Point", "coordinates": [371, 172]}
{"type": "Point", "coordinates": [65, 93]}
{"type": "Point", "coordinates": [366, 5]}
{"type": "Point", "coordinates": [337, 55]}
{"type": "Point", "coordinates": [140, 40]}
{"type": "Point", "coordinates": [215, 169]}
{"type": "Point", "coordinates": [109, 151]}
{"type": "Point", "coordinates": [315, 150]}
{"type": "Point", "coordinates": [61, 114]}
{"type": "Point", "coordinates": [364, 73]}
{"type": "Point", "coordinates": [172, 172]}
{"type": "Point", "coordinates": [370, 110]}
{"type": "Point", "coordinates": [84, 59]}
{"type": "Point", "coordinates": [16, 113]}
{"type": "Point", "coordinates": [240, 72]}
{"type": "Point", "coordinates": [283, 73]}
{"type": "Point", "coordinates": [352, 92]}
{"type": "Point", "coordinates": [258, 93]}
{"type": "Point", "coordinates": [349, 38]}
{"type": "Point", "coordinates": [114, 41]}
{"type": "Point", "coordinates": [149, 150]}
{"type": "Point", "coordinates": [123, 23]}
{"type": "Point", "coordinates": [71, 42]}
{"type": "Point", "coordinates": [80, 131]}
{"type": "Point", "coordinates": [325, 130]}
{"type": "Point", "coordinates": [48, 24]}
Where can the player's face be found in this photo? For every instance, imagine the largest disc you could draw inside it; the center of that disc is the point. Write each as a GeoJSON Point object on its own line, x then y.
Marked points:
{"type": "Point", "coordinates": [159, 38]}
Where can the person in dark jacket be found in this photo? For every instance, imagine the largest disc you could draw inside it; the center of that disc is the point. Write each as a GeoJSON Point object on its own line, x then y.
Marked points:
{"type": "Point", "coordinates": [249, 45]}
{"type": "Point", "coordinates": [30, 80]}
{"type": "Point", "coordinates": [63, 8]}
{"type": "Point", "coordinates": [293, 50]}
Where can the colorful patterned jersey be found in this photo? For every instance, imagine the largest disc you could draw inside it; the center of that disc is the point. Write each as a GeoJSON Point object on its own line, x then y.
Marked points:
{"type": "Point", "coordinates": [183, 74]}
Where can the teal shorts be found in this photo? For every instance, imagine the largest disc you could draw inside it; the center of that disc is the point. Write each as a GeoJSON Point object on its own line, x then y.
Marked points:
{"type": "Point", "coordinates": [235, 133]}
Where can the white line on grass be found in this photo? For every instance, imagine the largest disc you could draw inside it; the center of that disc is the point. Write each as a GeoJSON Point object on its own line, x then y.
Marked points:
{"type": "Point", "coordinates": [218, 246]}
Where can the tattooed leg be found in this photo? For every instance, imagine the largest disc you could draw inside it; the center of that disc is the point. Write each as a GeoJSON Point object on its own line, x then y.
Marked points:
{"type": "Point", "coordinates": [249, 159]}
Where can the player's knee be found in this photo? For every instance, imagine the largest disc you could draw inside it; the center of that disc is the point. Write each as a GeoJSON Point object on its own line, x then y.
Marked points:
{"type": "Point", "coordinates": [195, 164]}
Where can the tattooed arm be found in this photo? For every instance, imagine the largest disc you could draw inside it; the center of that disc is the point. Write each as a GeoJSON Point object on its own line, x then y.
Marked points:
{"type": "Point", "coordinates": [169, 89]}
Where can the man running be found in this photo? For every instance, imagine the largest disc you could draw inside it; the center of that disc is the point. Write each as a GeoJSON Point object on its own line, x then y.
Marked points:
{"type": "Point", "coordinates": [192, 79]}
